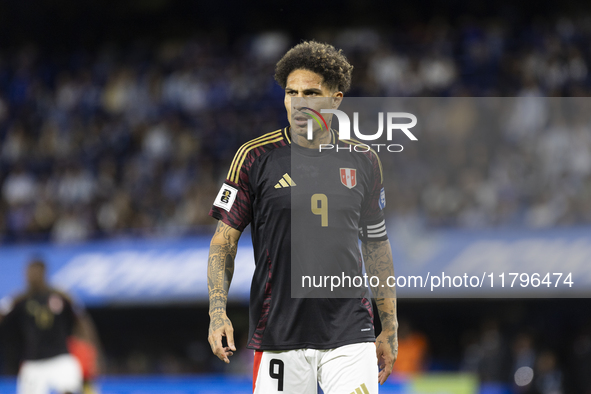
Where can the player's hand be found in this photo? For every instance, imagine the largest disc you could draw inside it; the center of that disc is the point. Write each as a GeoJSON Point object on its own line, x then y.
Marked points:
{"type": "Point", "coordinates": [387, 352]}
{"type": "Point", "coordinates": [220, 326]}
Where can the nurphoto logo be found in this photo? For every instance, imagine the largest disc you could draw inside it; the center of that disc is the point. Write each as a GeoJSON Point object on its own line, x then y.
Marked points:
{"type": "Point", "coordinates": [345, 129]}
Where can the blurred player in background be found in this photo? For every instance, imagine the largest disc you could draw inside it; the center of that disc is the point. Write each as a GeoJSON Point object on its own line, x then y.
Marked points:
{"type": "Point", "coordinates": [300, 342]}
{"type": "Point", "coordinates": [40, 321]}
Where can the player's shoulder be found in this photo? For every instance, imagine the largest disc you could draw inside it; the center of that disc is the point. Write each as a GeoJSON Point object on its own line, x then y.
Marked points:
{"type": "Point", "coordinates": [62, 294]}
{"type": "Point", "coordinates": [9, 303]}
{"type": "Point", "coordinates": [255, 148]}
{"type": "Point", "coordinates": [272, 139]}
{"type": "Point", "coordinates": [73, 303]}
{"type": "Point", "coordinates": [20, 298]}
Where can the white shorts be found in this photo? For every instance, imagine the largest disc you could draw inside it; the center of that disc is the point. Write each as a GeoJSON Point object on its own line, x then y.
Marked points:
{"type": "Point", "coordinates": [61, 373]}
{"type": "Point", "coordinates": [344, 370]}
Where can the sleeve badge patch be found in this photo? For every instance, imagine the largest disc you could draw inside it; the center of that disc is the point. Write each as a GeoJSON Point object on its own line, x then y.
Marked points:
{"type": "Point", "coordinates": [382, 201]}
{"type": "Point", "coordinates": [225, 198]}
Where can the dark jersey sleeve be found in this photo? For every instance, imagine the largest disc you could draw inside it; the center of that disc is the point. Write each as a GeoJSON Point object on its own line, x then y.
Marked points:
{"type": "Point", "coordinates": [10, 335]}
{"type": "Point", "coordinates": [233, 204]}
{"type": "Point", "coordinates": [8, 315]}
{"type": "Point", "coordinates": [372, 225]}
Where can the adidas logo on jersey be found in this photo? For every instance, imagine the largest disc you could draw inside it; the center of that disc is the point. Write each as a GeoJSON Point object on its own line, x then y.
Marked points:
{"type": "Point", "coordinates": [285, 181]}
{"type": "Point", "coordinates": [361, 389]}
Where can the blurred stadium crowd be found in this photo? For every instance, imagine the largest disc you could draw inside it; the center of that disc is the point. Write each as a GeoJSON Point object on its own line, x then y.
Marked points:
{"type": "Point", "coordinates": [136, 140]}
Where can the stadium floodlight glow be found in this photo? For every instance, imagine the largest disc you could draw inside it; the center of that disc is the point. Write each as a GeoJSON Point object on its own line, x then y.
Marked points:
{"type": "Point", "coordinates": [345, 124]}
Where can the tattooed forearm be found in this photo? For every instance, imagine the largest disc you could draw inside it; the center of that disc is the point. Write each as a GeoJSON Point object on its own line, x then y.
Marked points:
{"type": "Point", "coordinates": [220, 268]}
{"type": "Point", "coordinates": [392, 340]}
{"type": "Point", "coordinates": [378, 262]}
{"type": "Point", "coordinates": [387, 312]}
{"type": "Point", "coordinates": [217, 301]}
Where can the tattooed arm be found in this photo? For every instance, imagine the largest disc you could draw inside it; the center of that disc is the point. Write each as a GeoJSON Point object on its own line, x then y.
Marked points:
{"type": "Point", "coordinates": [378, 262]}
{"type": "Point", "coordinates": [220, 268]}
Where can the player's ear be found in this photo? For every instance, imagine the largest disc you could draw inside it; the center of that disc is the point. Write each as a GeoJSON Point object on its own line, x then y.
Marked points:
{"type": "Point", "coordinates": [337, 98]}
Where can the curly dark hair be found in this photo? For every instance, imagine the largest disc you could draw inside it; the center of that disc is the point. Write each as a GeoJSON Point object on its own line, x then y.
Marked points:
{"type": "Point", "coordinates": [317, 57]}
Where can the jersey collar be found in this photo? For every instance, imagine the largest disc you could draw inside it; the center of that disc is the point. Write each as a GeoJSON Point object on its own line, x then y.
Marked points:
{"type": "Point", "coordinates": [287, 135]}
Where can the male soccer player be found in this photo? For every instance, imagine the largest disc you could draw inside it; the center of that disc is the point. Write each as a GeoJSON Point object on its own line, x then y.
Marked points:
{"type": "Point", "coordinates": [302, 342]}
{"type": "Point", "coordinates": [43, 318]}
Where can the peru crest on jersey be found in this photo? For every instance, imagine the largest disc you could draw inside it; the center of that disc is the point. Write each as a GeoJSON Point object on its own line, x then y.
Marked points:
{"type": "Point", "coordinates": [349, 177]}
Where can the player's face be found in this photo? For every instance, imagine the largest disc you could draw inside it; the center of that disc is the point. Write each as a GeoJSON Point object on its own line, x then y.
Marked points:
{"type": "Point", "coordinates": [309, 88]}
